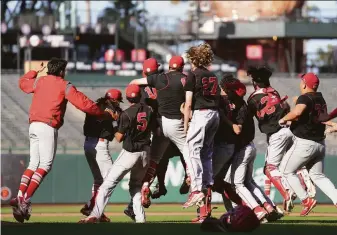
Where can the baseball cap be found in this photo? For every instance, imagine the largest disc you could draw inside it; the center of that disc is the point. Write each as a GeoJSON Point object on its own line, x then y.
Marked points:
{"type": "Point", "coordinates": [132, 91]}
{"type": "Point", "coordinates": [310, 79]}
{"type": "Point", "coordinates": [150, 65]}
{"type": "Point", "coordinates": [114, 94]}
{"type": "Point", "coordinates": [176, 62]}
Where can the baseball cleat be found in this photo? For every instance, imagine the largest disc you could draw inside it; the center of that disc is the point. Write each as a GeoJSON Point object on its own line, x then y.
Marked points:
{"type": "Point", "coordinates": [194, 198]}
{"type": "Point", "coordinates": [146, 193]}
{"type": "Point", "coordinates": [129, 213]}
{"type": "Point", "coordinates": [89, 220]}
{"type": "Point", "coordinates": [185, 186]}
{"type": "Point", "coordinates": [85, 210]}
{"type": "Point", "coordinates": [308, 205]}
{"type": "Point", "coordinates": [272, 213]}
{"type": "Point", "coordinates": [288, 206]}
{"type": "Point", "coordinates": [159, 192]}
{"type": "Point", "coordinates": [104, 219]}
{"type": "Point", "coordinates": [260, 213]}
{"type": "Point", "coordinates": [17, 213]}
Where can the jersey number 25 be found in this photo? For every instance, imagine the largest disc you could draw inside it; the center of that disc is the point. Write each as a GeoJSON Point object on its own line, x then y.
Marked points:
{"type": "Point", "coordinates": [141, 121]}
{"type": "Point", "coordinates": [209, 85]}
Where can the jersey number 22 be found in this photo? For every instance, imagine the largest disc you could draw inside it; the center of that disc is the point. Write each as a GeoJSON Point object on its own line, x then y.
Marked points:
{"type": "Point", "coordinates": [141, 121]}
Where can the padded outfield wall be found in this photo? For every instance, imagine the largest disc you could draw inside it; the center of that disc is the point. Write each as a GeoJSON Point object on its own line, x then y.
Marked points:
{"type": "Point", "coordinates": [70, 180]}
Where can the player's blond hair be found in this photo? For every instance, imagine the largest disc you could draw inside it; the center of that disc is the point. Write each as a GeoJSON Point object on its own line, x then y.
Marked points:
{"type": "Point", "coordinates": [200, 56]}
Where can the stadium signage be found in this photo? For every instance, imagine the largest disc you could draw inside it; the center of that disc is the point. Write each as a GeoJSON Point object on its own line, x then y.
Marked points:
{"type": "Point", "coordinates": [130, 68]}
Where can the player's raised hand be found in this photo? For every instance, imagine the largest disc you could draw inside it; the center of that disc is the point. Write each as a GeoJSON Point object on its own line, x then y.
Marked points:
{"type": "Point", "coordinates": [332, 127]}
{"type": "Point", "coordinates": [41, 69]}
{"type": "Point", "coordinates": [237, 129]}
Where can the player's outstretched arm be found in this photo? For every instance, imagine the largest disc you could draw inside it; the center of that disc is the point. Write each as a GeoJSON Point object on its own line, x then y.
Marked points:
{"type": "Point", "coordinates": [28, 81]}
{"type": "Point", "coordinates": [139, 81]}
{"type": "Point", "coordinates": [332, 127]}
{"type": "Point", "coordinates": [293, 114]}
{"type": "Point", "coordinates": [333, 114]}
{"type": "Point", "coordinates": [81, 101]}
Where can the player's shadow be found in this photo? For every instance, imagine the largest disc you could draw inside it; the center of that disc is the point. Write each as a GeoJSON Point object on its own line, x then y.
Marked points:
{"type": "Point", "coordinates": [293, 227]}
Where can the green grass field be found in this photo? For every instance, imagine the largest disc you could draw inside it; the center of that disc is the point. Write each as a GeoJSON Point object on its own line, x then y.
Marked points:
{"type": "Point", "coordinates": [162, 219]}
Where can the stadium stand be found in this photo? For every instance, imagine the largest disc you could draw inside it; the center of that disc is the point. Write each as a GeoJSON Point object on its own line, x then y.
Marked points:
{"type": "Point", "coordinates": [15, 107]}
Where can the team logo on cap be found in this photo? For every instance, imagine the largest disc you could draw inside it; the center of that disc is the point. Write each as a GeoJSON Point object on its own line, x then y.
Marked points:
{"type": "Point", "coordinates": [6, 193]}
{"type": "Point", "coordinates": [148, 70]}
{"type": "Point", "coordinates": [174, 65]}
{"type": "Point", "coordinates": [133, 94]}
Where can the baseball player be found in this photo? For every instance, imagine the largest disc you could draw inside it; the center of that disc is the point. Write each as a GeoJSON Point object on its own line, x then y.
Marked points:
{"type": "Point", "coordinates": [135, 126]}
{"type": "Point", "coordinates": [160, 190]}
{"type": "Point", "coordinates": [98, 133]}
{"type": "Point", "coordinates": [309, 146]}
{"type": "Point", "coordinates": [50, 96]}
{"type": "Point", "coordinates": [268, 107]}
{"type": "Point", "coordinates": [224, 143]}
{"type": "Point", "coordinates": [240, 219]}
{"type": "Point", "coordinates": [170, 96]}
{"type": "Point", "coordinates": [202, 96]}
{"type": "Point", "coordinates": [241, 172]}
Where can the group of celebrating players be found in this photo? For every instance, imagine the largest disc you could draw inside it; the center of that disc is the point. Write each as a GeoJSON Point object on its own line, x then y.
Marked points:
{"type": "Point", "coordinates": [205, 122]}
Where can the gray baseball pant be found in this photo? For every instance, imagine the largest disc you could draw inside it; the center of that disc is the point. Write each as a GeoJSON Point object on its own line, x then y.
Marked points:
{"type": "Point", "coordinates": [310, 154]}
{"type": "Point", "coordinates": [240, 175]}
{"type": "Point", "coordinates": [135, 162]}
{"type": "Point", "coordinates": [98, 157]}
{"type": "Point", "coordinates": [198, 150]}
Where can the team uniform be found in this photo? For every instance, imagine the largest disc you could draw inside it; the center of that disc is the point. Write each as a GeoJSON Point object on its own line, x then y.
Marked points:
{"type": "Point", "coordinates": [50, 96]}
{"type": "Point", "coordinates": [241, 170]}
{"type": "Point", "coordinates": [98, 133]}
{"type": "Point", "coordinates": [308, 150]}
{"type": "Point", "coordinates": [200, 136]}
{"type": "Point", "coordinates": [268, 108]}
{"type": "Point", "coordinates": [170, 96]}
{"type": "Point", "coordinates": [136, 125]}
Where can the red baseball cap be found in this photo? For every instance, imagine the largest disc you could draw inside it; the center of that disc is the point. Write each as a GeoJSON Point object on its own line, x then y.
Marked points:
{"type": "Point", "coordinates": [176, 62]}
{"type": "Point", "coordinates": [114, 94]}
{"type": "Point", "coordinates": [132, 91]}
{"type": "Point", "coordinates": [150, 65]}
{"type": "Point", "coordinates": [310, 79]}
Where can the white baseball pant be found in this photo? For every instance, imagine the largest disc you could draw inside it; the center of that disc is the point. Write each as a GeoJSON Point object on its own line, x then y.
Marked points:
{"type": "Point", "coordinates": [173, 130]}
{"type": "Point", "coordinates": [43, 146]}
{"type": "Point", "coordinates": [198, 150]}
{"type": "Point", "coordinates": [98, 157]}
{"type": "Point", "coordinates": [310, 154]}
{"type": "Point", "coordinates": [240, 175]}
{"type": "Point", "coordinates": [135, 162]}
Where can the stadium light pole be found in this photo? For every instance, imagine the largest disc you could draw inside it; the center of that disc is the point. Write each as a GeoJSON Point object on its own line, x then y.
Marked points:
{"type": "Point", "coordinates": [198, 21]}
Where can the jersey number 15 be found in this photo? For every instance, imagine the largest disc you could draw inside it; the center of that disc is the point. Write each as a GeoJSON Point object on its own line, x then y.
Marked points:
{"type": "Point", "coordinates": [141, 121]}
{"type": "Point", "coordinates": [209, 85]}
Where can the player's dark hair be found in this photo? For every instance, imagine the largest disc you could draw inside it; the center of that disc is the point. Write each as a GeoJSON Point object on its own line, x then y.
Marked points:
{"type": "Point", "coordinates": [134, 100]}
{"type": "Point", "coordinates": [55, 66]}
{"type": "Point", "coordinates": [227, 78]}
{"type": "Point", "coordinates": [260, 76]}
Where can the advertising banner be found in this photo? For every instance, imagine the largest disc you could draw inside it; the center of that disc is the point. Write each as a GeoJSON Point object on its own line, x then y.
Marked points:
{"type": "Point", "coordinates": [12, 167]}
